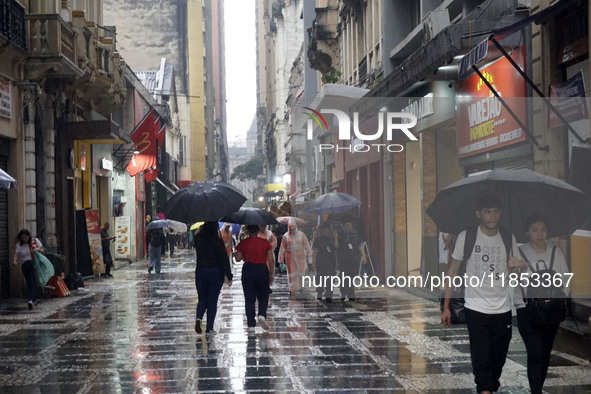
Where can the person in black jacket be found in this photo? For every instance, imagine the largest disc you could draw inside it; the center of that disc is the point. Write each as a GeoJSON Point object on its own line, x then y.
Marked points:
{"type": "Point", "coordinates": [351, 253]}
{"type": "Point", "coordinates": [155, 238]}
{"type": "Point", "coordinates": [211, 272]}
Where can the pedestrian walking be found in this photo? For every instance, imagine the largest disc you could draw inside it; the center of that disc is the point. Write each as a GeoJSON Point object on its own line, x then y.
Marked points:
{"type": "Point", "coordinates": [264, 233]}
{"type": "Point", "coordinates": [155, 238]}
{"type": "Point", "coordinates": [190, 239]}
{"type": "Point", "coordinates": [488, 305]}
{"type": "Point", "coordinates": [257, 277]}
{"type": "Point", "coordinates": [324, 260]}
{"type": "Point", "coordinates": [211, 272]}
{"type": "Point", "coordinates": [351, 253]}
{"type": "Point", "coordinates": [538, 338]}
{"type": "Point", "coordinates": [226, 233]}
{"type": "Point", "coordinates": [171, 239]}
{"type": "Point", "coordinates": [106, 244]}
{"type": "Point", "coordinates": [269, 236]}
{"type": "Point", "coordinates": [294, 253]}
{"type": "Point", "coordinates": [25, 245]}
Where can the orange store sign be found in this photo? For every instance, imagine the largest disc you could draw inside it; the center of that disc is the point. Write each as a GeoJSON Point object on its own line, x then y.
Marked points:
{"type": "Point", "coordinates": [482, 123]}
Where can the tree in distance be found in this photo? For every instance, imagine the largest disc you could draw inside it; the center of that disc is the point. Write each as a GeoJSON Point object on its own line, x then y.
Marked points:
{"type": "Point", "coordinates": [249, 170]}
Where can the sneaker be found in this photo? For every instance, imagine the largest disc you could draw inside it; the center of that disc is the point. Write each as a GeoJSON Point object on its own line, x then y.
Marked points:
{"type": "Point", "coordinates": [329, 300]}
{"type": "Point", "coordinates": [108, 275]}
{"type": "Point", "coordinates": [210, 332]}
{"type": "Point", "coordinates": [343, 299]}
{"type": "Point", "coordinates": [351, 299]}
{"type": "Point", "coordinates": [149, 270]}
{"type": "Point", "coordinates": [319, 298]}
{"type": "Point", "coordinates": [30, 304]}
{"type": "Point", "coordinates": [250, 330]}
{"type": "Point", "coordinates": [198, 329]}
{"type": "Point", "coordinates": [263, 322]}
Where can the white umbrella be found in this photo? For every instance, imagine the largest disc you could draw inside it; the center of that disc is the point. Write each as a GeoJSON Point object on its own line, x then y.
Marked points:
{"type": "Point", "coordinates": [6, 181]}
{"type": "Point", "coordinates": [178, 227]}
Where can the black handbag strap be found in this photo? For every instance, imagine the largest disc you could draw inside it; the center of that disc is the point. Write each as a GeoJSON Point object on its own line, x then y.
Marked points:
{"type": "Point", "coordinates": [532, 267]}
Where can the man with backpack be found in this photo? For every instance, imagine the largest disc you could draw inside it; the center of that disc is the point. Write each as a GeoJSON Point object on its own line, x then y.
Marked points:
{"type": "Point", "coordinates": [155, 238]}
{"type": "Point", "coordinates": [487, 253]}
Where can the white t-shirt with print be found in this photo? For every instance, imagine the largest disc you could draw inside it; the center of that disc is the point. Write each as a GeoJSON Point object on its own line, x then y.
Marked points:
{"type": "Point", "coordinates": [486, 291]}
{"type": "Point", "coordinates": [25, 251]}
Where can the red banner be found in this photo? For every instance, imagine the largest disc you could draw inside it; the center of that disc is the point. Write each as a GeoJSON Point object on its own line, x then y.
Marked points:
{"type": "Point", "coordinates": [482, 123]}
{"type": "Point", "coordinates": [145, 142]}
{"type": "Point", "coordinates": [151, 174]}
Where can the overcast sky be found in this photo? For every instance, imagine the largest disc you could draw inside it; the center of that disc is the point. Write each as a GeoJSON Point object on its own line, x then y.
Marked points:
{"type": "Point", "coordinates": [240, 67]}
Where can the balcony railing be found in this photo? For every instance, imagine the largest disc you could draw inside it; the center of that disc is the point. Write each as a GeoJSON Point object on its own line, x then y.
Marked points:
{"type": "Point", "coordinates": [12, 22]}
{"type": "Point", "coordinates": [50, 36]}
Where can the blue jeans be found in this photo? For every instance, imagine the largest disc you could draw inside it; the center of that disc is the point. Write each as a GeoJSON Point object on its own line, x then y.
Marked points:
{"type": "Point", "coordinates": [155, 257]}
{"type": "Point", "coordinates": [209, 282]}
{"type": "Point", "coordinates": [28, 268]}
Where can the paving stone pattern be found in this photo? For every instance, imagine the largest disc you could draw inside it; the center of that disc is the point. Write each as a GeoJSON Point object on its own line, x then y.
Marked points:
{"type": "Point", "coordinates": [135, 333]}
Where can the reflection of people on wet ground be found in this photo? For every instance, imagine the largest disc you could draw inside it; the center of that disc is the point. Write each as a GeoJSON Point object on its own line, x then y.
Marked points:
{"type": "Point", "coordinates": [295, 251]}
{"type": "Point", "coordinates": [211, 272]}
{"type": "Point", "coordinates": [488, 306]}
{"type": "Point", "coordinates": [350, 254]}
{"type": "Point", "coordinates": [323, 259]}
{"type": "Point", "coordinates": [257, 277]}
{"type": "Point", "coordinates": [538, 339]}
{"type": "Point", "coordinates": [25, 246]}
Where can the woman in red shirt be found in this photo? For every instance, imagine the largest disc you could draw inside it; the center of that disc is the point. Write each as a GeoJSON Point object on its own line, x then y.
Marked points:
{"type": "Point", "coordinates": [256, 277]}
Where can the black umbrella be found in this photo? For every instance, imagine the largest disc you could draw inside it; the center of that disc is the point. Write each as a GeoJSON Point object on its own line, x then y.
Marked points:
{"type": "Point", "coordinates": [250, 216]}
{"type": "Point", "coordinates": [203, 201]}
{"type": "Point", "coordinates": [331, 203]}
{"type": "Point", "coordinates": [522, 192]}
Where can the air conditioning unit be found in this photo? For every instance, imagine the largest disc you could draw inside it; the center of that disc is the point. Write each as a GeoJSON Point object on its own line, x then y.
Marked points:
{"type": "Point", "coordinates": [434, 22]}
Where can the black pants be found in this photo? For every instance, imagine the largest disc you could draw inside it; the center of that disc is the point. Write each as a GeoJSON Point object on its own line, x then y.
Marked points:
{"type": "Point", "coordinates": [490, 335]}
{"type": "Point", "coordinates": [538, 342]}
{"type": "Point", "coordinates": [325, 268]}
{"type": "Point", "coordinates": [350, 267]}
{"type": "Point", "coordinates": [28, 268]}
{"type": "Point", "coordinates": [255, 284]}
{"type": "Point", "coordinates": [108, 259]}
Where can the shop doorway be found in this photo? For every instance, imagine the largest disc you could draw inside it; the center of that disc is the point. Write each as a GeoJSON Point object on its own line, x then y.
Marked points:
{"type": "Point", "coordinates": [102, 190]}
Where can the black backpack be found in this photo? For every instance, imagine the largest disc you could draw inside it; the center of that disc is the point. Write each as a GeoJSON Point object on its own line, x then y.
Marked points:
{"type": "Point", "coordinates": [156, 238]}
{"type": "Point", "coordinates": [456, 305]}
{"type": "Point", "coordinates": [545, 303]}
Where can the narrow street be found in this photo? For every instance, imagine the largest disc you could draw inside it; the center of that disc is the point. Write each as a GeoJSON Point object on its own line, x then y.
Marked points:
{"type": "Point", "coordinates": [135, 333]}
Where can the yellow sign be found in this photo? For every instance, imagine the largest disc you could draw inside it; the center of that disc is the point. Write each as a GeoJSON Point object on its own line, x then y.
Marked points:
{"type": "Point", "coordinates": [273, 187]}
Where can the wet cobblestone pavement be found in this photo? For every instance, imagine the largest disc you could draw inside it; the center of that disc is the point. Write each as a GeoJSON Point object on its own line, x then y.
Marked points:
{"type": "Point", "coordinates": [135, 333]}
